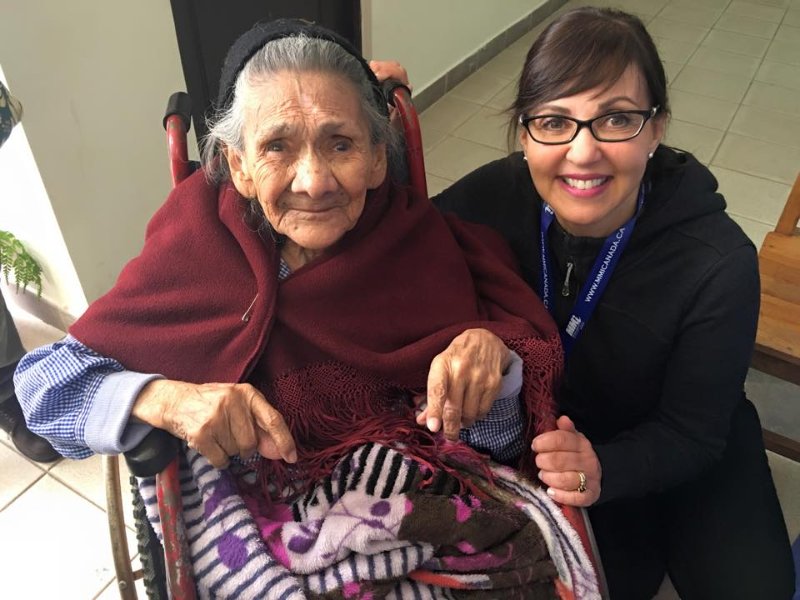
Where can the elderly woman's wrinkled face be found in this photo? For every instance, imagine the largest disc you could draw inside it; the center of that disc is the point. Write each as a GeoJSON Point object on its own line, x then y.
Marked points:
{"type": "Point", "coordinates": [307, 157]}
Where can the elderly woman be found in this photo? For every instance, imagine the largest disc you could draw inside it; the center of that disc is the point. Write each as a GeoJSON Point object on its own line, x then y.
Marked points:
{"type": "Point", "coordinates": [282, 318]}
{"type": "Point", "coordinates": [655, 290]}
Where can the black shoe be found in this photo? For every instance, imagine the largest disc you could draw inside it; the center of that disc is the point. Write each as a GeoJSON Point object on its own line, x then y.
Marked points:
{"type": "Point", "coordinates": [12, 421]}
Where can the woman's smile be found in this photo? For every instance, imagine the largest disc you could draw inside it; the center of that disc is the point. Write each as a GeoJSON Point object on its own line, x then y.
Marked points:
{"type": "Point", "coordinates": [585, 186]}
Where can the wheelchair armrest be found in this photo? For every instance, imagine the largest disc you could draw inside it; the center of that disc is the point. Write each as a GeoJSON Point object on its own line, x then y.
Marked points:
{"type": "Point", "coordinates": [153, 453]}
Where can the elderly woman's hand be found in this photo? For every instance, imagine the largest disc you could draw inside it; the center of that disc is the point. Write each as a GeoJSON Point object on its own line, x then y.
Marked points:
{"type": "Point", "coordinates": [562, 456]}
{"type": "Point", "coordinates": [219, 420]}
{"type": "Point", "coordinates": [463, 381]}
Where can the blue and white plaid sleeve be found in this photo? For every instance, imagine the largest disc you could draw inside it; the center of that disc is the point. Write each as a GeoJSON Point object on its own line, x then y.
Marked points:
{"type": "Point", "coordinates": [79, 400]}
{"type": "Point", "coordinates": [500, 433]}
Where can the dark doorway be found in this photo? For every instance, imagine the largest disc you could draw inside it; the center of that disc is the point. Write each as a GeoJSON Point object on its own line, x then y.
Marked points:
{"type": "Point", "coordinates": [207, 28]}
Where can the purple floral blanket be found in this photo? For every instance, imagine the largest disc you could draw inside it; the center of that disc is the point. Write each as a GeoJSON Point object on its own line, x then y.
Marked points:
{"type": "Point", "coordinates": [380, 526]}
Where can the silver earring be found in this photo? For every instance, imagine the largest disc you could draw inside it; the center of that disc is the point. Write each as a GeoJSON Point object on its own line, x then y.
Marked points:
{"type": "Point", "coordinates": [650, 155]}
{"type": "Point", "coordinates": [525, 158]}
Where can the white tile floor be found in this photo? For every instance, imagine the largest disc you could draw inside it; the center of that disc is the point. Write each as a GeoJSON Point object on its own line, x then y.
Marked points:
{"type": "Point", "coordinates": [734, 72]}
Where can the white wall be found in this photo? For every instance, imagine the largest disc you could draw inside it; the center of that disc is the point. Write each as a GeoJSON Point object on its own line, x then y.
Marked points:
{"type": "Point", "coordinates": [93, 77]}
{"type": "Point", "coordinates": [25, 211]}
{"type": "Point", "coordinates": [430, 37]}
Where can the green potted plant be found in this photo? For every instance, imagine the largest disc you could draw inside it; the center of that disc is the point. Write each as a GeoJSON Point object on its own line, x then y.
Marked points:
{"type": "Point", "coordinates": [17, 261]}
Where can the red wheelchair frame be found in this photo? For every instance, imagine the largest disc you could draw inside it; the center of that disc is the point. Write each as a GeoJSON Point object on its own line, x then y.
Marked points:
{"type": "Point", "coordinates": [160, 449]}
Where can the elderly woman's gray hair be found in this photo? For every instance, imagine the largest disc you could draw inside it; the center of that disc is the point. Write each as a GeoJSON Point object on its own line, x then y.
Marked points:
{"type": "Point", "coordinates": [297, 53]}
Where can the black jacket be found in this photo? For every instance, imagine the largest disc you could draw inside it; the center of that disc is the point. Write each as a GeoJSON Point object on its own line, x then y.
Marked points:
{"type": "Point", "coordinates": [660, 367]}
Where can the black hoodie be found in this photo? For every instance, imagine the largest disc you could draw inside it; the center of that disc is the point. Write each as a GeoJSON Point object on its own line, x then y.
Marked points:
{"type": "Point", "coordinates": [660, 367]}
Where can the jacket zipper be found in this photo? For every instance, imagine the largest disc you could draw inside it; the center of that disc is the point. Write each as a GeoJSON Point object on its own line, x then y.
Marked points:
{"type": "Point", "coordinates": [565, 291]}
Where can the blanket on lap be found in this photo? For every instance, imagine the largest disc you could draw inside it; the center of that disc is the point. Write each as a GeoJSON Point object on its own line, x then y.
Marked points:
{"type": "Point", "coordinates": [379, 526]}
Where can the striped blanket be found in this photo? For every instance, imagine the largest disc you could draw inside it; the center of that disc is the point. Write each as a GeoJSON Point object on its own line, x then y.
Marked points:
{"type": "Point", "coordinates": [380, 526]}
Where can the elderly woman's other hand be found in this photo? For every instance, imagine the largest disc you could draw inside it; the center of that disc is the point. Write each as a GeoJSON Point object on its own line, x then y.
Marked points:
{"type": "Point", "coordinates": [219, 420]}
{"type": "Point", "coordinates": [568, 464]}
{"type": "Point", "coordinates": [463, 381]}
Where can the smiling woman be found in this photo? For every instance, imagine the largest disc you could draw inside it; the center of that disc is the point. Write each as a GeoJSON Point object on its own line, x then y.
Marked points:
{"type": "Point", "coordinates": [655, 290]}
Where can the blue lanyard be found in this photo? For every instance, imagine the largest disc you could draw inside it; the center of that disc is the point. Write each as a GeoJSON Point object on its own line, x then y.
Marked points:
{"type": "Point", "coordinates": [598, 278]}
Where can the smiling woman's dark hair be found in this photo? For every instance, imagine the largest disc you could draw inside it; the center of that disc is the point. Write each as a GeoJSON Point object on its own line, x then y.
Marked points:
{"type": "Point", "coordinates": [583, 49]}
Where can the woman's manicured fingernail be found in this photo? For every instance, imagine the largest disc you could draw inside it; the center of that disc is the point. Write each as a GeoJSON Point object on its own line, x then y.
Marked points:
{"type": "Point", "coordinates": [551, 492]}
{"type": "Point", "coordinates": [433, 424]}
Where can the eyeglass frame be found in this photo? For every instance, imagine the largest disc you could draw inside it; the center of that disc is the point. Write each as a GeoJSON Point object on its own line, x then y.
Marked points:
{"type": "Point", "coordinates": [647, 114]}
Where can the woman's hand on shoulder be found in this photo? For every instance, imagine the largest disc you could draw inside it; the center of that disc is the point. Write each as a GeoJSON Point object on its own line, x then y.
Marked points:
{"type": "Point", "coordinates": [219, 420]}
{"type": "Point", "coordinates": [561, 456]}
{"type": "Point", "coordinates": [463, 381]}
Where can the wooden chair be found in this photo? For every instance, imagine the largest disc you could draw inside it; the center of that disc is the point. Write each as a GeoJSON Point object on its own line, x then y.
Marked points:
{"type": "Point", "coordinates": [777, 349]}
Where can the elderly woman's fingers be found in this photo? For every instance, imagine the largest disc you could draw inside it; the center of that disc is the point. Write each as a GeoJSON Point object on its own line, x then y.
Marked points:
{"type": "Point", "coordinates": [219, 420]}
{"type": "Point", "coordinates": [215, 454]}
{"type": "Point", "coordinates": [272, 424]}
{"type": "Point", "coordinates": [480, 358]}
{"type": "Point", "coordinates": [437, 393]}
{"type": "Point", "coordinates": [239, 436]}
{"type": "Point", "coordinates": [454, 400]}
{"type": "Point", "coordinates": [205, 441]}
{"type": "Point", "coordinates": [482, 397]}
{"type": "Point", "coordinates": [422, 416]}
{"type": "Point", "coordinates": [267, 446]}
{"type": "Point", "coordinates": [479, 395]}
{"type": "Point", "coordinates": [464, 380]}
{"type": "Point", "coordinates": [219, 416]}
{"type": "Point", "coordinates": [451, 419]}
{"type": "Point", "coordinates": [445, 398]}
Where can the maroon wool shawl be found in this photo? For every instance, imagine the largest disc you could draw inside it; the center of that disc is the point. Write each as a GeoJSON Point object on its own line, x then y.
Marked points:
{"type": "Point", "coordinates": [202, 303]}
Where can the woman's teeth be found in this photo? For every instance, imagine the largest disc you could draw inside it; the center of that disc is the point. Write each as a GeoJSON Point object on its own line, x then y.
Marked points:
{"type": "Point", "coordinates": [584, 184]}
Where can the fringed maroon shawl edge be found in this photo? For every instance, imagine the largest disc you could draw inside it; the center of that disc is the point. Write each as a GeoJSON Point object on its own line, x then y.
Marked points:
{"type": "Point", "coordinates": [342, 341]}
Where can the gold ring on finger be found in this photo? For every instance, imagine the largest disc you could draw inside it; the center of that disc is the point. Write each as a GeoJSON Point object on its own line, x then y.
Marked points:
{"type": "Point", "coordinates": [581, 482]}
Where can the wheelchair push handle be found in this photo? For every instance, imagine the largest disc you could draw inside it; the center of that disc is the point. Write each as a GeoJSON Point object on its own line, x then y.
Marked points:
{"type": "Point", "coordinates": [177, 121]}
{"type": "Point", "coordinates": [388, 86]}
{"type": "Point", "coordinates": [180, 105]}
{"type": "Point", "coordinates": [399, 96]}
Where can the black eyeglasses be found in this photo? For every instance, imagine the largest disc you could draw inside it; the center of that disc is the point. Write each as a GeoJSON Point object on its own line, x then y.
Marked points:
{"type": "Point", "coordinates": [618, 126]}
